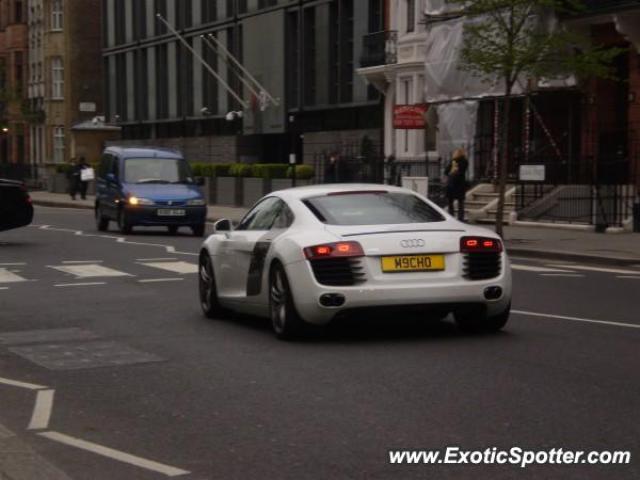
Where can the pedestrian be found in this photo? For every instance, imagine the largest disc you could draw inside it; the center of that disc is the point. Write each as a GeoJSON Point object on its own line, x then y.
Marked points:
{"type": "Point", "coordinates": [456, 173]}
{"type": "Point", "coordinates": [391, 170]}
{"type": "Point", "coordinates": [76, 183]}
{"type": "Point", "coordinates": [331, 169]}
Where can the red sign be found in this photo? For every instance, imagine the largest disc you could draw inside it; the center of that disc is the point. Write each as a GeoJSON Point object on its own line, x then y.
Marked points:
{"type": "Point", "coordinates": [409, 116]}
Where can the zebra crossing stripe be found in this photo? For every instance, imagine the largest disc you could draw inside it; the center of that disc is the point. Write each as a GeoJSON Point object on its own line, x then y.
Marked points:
{"type": "Point", "coordinates": [90, 271]}
{"type": "Point", "coordinates": [175, 267]}
{"type": "Point", "coordinates": [7, 276]}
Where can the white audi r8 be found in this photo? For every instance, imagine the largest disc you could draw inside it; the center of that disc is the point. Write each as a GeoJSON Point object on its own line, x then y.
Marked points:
{"type": "Point", "coordinates": [307, 255]}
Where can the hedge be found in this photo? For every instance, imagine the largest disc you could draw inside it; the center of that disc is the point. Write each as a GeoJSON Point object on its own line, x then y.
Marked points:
{"type": "Point", "coordinates": [303, 172]}
{"type": "Point", "coordinates": [255, 170]}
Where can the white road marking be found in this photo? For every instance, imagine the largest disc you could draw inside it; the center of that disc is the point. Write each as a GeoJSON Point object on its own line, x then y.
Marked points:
{"type": "Point", "coordinates": [155, 259]}
{"type": "Point", "coordinates": [90, 271]}
{"type": "Point", "coordinates": [42, 410]}
{"type": "Point", "coordinates": [5, 433]}
{"type": "Point", "coordinates": [575, 319]}
{"type": "Point", "coordinates": [82, 284]}
{"type": "Point", "coordinates": [4, 288]}
{"type": "Point", "coordinates": [158, 280]}
{"type": "Point", "coordinates": [16, 264]}
{"type": "Point", "coordinates": [114, 454]}
{"type": "Point", "coordinates": [176, 267]}
{"type": "Point", "coordinates": [568, 275]}
{"type": "Point", "coordinates": [80, 262]}
{"type": "Point", "coordinates": [9, 277]}
{"type": "Point", "coordinates": [531, 268]}
{"type": "Point", "coordinates": [15, 383]}
{"type": "Point", "coordinates": [599, 269]}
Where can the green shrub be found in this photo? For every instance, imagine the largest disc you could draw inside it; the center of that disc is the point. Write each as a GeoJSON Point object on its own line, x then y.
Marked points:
{"type": "Point", "coordinates": [209, 170]}
{"type": "Point", "coordinates": [269, 170]}
{"type": "Point", "coordinates": [239, 170]}
{"type": "Point", "coordinates": [303, 172]}
{"type": "Point", "coordinates": [197, 169]}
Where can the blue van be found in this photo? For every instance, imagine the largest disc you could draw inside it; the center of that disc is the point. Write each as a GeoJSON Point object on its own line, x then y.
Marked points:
{"type": "Point", "coordinates": [148, 187]}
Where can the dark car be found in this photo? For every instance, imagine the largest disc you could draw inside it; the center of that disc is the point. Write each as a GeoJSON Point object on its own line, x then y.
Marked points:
{"type": "Point", "coordinates": [148, 187]}
{"type": "Point", "coordinates": [15, 205]}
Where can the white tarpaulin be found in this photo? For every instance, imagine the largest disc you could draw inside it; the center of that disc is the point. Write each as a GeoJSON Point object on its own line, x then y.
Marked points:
{"type": "Point", "coordinates": [456, 128]}
{"type": "Point", "coordinates": [444, 81]}
{"type": "Point", "coordinates": [440, 7]}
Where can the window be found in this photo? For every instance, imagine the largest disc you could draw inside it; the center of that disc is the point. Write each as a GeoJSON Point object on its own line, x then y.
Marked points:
{"type": "Point", "coordinates": [341, 65]}
{"type": "Point", "coordinates": [139, 20]}
{"type": "Point", "coordinates": [18, 15]}
{"type": "Point", "coordinates": [210, 84]}
{"type": "Point", "coordinates": [184, 14]}
{"type": "Point", "coordinates": [156, 170]}
{"type": "Point", "coordinates": [58, 144]}
{"type": "Point", "coordinates": [141, 84]}
{"type": "Point", "coordinates": [57, 78]}
{"type": "Point", "coordinates": [209, 11]}
{"type": "Point", "coordinates": [162, 82]}
{"type": "Point", "coordinates": [411, 15]}
{"type": "Point", "coordinates": [120, 21]}
{"type": "Point", "coordinates": [293, 60]}
{"type": "Point", "coordinates": [372, 208]}
{"type": "Point", "coordinates": [267, 3]}
{"type": "Point", "coordinates": [56, 15]}
{"type": "Point", "coordinates": [263, 215]}
{"type": "Point", "coordinates": [309, 57]}
{"type": "Point", "coordinates": [161, 8]}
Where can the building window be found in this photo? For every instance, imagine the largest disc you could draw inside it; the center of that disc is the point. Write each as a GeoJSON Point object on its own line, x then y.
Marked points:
{"type": "Point", "coordinates": [18, 14]}
{"type": "Point", "coordinates": [293, 60]}
{"type": "Point", "coordinates": [341, 52]}
{"type": "Point", "coordinates": [184, 14]}
{"type": "Point", "coordinates": [210, 84]}
{"type": "Point", "coordinates": [121, 87]}
{"type": "Point", "coordinates": [57, 78]}
{"type": "Point", "coordinates": [139, 20]}
{"type": "Point", "coordinates": [267, 3]}
{"type": "Point", "coordinates": [140, 85]}
{"type": "Point", "coordinates": [19, 70]}
{"type": "Point", "coordinates": [161, 8]}
{"type": "Point", "coordinates": [411, 15]}
{"type": "Point", "coordinates": [56, 15]}
{"type": "Point", "coordinates": [309, 57]}
{"type": "Point", "coordinates": [209, 11]}
{"type": "Point", "coordinates": [162, 82]}
{"type": "Point", "coordinates": [58, 144]}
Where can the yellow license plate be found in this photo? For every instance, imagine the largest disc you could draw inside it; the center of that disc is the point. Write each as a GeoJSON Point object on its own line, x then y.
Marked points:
{"type": "Point", "coordinates": [413, 263]}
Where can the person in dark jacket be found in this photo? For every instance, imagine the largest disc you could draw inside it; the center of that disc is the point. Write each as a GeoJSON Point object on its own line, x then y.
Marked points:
{"type": "Point", "coordinates": [456, 173]}
{"type": "Point", "coordinates": [76, 185]}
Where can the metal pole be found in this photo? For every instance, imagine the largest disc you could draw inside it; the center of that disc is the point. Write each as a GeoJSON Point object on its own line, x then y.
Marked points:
{"type": "Point", "coordinates": [203, 62]}
{"type": "Point", "coordinates": [240, 77]}
{"type": "Point", "coordinates": [243, 70]}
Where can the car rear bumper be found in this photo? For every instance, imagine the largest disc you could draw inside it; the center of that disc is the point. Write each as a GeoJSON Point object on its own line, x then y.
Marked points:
{"type": "Point", "coordinates": [148, 216]}
{"type": "Point", "coordinates": [444, 295]}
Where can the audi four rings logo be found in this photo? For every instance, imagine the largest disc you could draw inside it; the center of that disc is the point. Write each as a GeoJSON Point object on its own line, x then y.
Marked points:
{"type": "Point", "coordinates": [413, 243]}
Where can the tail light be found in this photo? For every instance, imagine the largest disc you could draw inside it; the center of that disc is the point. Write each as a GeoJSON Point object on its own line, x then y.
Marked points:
{"type": "Point", "coordinates": [480, 244]}
{"type": "Point", "coordinates": [334, 250]}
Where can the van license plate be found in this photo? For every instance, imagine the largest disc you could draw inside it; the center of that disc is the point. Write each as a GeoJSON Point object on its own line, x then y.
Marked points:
{"type": "Point", "coordinates": [413, 263]}
{"type": "Point", "coordinates": [171, 212]}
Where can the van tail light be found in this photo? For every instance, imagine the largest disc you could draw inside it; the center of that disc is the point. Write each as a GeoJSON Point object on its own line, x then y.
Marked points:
{"type": "Point", "coordinates": [334, 250]}
{"type": "Point", "coordinates": [480, 244]}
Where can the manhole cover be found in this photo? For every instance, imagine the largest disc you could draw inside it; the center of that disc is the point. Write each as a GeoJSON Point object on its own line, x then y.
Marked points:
{"type": "Point", "coordinates": [62, 356]}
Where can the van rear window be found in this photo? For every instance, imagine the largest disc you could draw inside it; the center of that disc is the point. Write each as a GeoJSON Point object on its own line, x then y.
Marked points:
{"type": "Point", "coordinates": [372, 208]}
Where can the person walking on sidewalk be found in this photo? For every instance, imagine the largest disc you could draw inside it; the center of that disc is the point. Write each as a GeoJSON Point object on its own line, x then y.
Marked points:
{"type": "Point", "coordinates": [76, 183]}
{"type": "Point", "coordinates": [456, 173]}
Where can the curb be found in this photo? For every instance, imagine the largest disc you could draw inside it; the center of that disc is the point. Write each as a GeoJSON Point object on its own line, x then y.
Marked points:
{"type": "Point", "coordinates": [579, 257]}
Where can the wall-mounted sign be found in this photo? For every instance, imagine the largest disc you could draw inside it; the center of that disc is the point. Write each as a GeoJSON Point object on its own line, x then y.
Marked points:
{"type": "Point", "coordinates": [532, 173]}
{"type": "Point", "coordinates": [87, 107]}
{"type": "Point", "coordinates": [409, 117]}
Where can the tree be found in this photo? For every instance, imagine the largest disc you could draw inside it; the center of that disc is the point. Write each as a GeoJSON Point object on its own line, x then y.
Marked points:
{"type": "Point", "coordinates": [509, 41]}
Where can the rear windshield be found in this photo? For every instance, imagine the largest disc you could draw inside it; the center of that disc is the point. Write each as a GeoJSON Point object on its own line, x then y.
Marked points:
{"type": "Point", "coordinates": [372, 208]}
{"type": "Point", "coordinates": [156, 170]}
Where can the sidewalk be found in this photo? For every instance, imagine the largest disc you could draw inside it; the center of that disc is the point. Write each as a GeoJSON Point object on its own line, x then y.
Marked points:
{"type": "Point", "coordinates": [522, 241]}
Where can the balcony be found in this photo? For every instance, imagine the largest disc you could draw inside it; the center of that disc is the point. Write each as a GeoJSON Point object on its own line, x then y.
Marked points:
{"type": "Point", "coordinates": [379, 48]}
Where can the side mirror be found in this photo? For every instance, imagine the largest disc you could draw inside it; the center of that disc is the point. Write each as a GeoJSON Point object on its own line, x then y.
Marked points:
{"type": "Point", "coordinates": [222, 225]}
{"type": "Point", "coordinates": [199, 181]}
{"type": "Point", "coordinates": [111, 178]}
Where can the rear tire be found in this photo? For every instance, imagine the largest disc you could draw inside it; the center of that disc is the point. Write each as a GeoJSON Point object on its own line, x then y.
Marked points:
{"type": "Point", "coordinates": [123, 223]}
{"type": "Point", "coordinates": [208, 288]}
{"type": "Point", "coordinates": [479, 322]}
{"type": "Point", "coordinates": [198, 230]}
{"type": "Point", "coordinates": [286, 322]}
{"type": "Point", "coordinates": [102, 222]}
